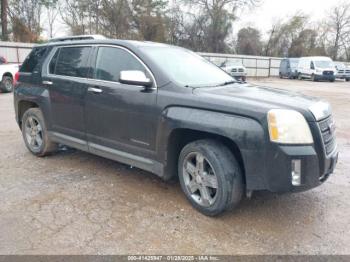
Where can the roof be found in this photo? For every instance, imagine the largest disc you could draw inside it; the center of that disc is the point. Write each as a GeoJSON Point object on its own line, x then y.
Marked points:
{"type": "Point", "coordinates": [87, 39]}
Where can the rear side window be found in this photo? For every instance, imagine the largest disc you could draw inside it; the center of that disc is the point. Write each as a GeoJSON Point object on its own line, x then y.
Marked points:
{"type": "Point", "coordinates": [33, 59]}
{"type": "Point", "coordinates": [71, 61]}
{"type": "Point", "coordinates": [110, 61]}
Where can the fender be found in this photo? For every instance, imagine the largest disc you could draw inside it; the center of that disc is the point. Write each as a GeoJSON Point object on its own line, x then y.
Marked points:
{"type": "Point", "coordinates": [246, 133]}
{"type": "Point", "coordinates": [42, 99]}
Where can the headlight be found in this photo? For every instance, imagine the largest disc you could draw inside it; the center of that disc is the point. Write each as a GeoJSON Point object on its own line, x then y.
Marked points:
{"type": "Point", "coordinates": [288, 127]}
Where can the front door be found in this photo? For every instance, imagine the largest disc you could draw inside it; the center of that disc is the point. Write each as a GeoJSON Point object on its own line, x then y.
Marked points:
{"type": "Point", "coordinates": [120, 117]}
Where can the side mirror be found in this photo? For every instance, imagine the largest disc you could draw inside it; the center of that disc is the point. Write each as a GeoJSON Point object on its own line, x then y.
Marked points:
{"type": "Point", "coordinates": [134, 77]}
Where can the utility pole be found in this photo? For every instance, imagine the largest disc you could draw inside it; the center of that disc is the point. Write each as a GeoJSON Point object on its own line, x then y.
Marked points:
{"type": "Point", "coordinates": [4, 9]}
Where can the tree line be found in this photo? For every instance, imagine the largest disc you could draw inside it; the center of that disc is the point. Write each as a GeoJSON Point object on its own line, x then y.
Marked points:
{"type": "Point", "coordinates": [201, 25]}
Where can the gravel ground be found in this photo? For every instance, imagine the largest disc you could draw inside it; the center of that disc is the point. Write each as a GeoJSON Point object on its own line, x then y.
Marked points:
{"type": "Point", "coordinates": [77, 203]}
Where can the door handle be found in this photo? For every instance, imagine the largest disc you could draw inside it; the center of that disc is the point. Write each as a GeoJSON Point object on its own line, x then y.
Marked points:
{"type": "Point", "coordinates": [47, 82]}
{"type": "Point", "coordinates": [94, 90]}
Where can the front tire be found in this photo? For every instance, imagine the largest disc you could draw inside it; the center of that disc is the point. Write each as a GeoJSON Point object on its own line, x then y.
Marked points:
{"type": "Point", "coordinates": [35, 134]}
{"type": "Point", "coordinates": [210, 177]}
{"type": "Point", "coordinates": [6, 85]}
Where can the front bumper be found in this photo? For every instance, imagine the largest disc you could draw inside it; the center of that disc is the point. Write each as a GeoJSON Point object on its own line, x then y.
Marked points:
{"type": "Point", "coordinates": [325, 77]}
{"type": "Point", "coordinates": [279, 171]}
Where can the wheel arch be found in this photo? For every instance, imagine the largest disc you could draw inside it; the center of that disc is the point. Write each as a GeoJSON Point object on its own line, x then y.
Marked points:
{"type": "Point", "coordinates": [23, 106]}
{"type": "Point", "coordinates": [180, 137]}
{"type": "Point", "coordinates": [7, 74]}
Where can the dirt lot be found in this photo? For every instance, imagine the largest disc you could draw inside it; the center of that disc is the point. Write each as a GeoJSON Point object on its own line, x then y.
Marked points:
{"type": "Point", "coordinates": [77, 203]}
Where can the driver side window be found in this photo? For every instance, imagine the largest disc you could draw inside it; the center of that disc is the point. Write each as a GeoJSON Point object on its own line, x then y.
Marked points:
{"type": "Point", "coordinates": [111, 61]}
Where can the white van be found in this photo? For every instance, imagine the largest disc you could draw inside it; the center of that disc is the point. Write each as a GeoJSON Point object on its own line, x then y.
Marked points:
{"type": "Point", "coordinates": [317, 68]}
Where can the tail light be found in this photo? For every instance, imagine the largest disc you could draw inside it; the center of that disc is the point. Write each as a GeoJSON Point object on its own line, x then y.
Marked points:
{"type": "Point", "coordinates": [16, 78]}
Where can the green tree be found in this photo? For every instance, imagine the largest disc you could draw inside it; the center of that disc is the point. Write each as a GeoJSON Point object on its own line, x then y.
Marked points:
{"type": "Point", "coordinates": [249, 41]}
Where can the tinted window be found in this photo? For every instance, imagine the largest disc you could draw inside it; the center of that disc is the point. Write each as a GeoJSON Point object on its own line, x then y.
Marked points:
{"type": "Point", "coordinates": [72, 61]}
{"type": "Point", "coordinates": [110, 61]}
{"type": "Point", "coordinates": [33, 59]}
{"type": "Point", "coordinates": [52, 65]}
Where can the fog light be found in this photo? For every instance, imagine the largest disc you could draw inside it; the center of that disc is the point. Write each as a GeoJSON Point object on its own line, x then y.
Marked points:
{"type": "Point", "coordinates": [296, 172]}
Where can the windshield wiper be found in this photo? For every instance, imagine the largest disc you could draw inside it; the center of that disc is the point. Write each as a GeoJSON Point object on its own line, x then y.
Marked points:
{"type": "Point", "coordinates": [228, 83]}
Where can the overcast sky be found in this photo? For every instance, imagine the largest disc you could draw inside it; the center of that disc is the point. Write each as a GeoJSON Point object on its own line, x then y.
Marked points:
{"type": "Point", "coordinates": [263, 16]}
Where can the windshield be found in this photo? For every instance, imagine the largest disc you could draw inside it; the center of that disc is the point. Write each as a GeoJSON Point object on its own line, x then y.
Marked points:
{"type": "Point", "coordinates": [186, 67]}
{"type": "Point", "coordinates": [233, 63]}
{"type": "Point", "coordinates": [340, 66]}
{"type": "Point", "coordinates": [324, 64]}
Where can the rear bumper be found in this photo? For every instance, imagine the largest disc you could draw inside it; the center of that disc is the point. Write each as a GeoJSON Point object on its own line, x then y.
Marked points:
{"type": "Point", "coordinates": [279, 169]}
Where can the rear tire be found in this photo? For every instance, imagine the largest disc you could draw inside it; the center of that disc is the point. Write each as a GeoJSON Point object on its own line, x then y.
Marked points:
{"type": "Point", "coordinates": [313, 78]}
{"type": "Point", "coordinates": [210, 177]}
{"type": "Point", "coordinates": [300, 77]}
{"type": "Point", "coordinates": [347, 80]}
{"type": "Point", "coordinates": [35, 134]}
{"type": "Point", "coordinates": [6, 85]}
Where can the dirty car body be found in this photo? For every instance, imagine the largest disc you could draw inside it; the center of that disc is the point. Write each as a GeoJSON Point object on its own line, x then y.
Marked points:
{"type": "Point", "coordinates": [147, 124]}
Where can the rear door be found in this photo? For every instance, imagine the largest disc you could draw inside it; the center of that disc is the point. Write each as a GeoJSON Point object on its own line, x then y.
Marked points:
{"type": "Point", "coordinates": [120, 116]}
{"type": "Point", "coordinates": [66, 79]}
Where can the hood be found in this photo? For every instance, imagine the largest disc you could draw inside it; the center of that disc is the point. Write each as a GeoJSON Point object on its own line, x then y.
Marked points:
{"type": "Point", "coordinates": [258, 98]}
{"type": "Point", "coordinates": [327, 69]}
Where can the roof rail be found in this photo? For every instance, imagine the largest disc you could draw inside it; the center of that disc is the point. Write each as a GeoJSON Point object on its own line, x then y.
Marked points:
{"type": "Point", "coordinates": [77, 38]}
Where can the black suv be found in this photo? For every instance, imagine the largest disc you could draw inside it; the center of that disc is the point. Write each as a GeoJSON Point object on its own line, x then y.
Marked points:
{"type": "Point", "coordinates": [167, 110]}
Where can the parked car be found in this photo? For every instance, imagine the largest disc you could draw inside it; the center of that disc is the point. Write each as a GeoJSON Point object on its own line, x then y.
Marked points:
{"type": "Point", "coordinates": [316, 68]}
{"type": "Point", "coordinates": [7, 73]}
{"type": "Point", "coordinates": [343, 71]}
{"type": "Point", "coordinates": [235, 68]}
{"type": "Point", "coordinates": [171, 112]}
{"type": "Point", "coordinates": [289, 68]}
{"type": "Point", "coordinates": [3, 60]}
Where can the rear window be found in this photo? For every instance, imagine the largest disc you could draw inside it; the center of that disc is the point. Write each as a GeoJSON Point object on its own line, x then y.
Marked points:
{"type": "Point", "coordinates": [70, 61]}
{"type": "Point", "coordinates": [33, 59]}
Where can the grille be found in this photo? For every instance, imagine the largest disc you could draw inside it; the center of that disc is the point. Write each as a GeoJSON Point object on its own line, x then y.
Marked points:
{"type": "Point", "coordinates": [328, 73]}
{"type": "Point", "coordinates": [234, 70]}
{"type": "Point", "coordinates": [347, 71]}
{"type": "Point", "coordinates": [327, 128]}
{"type": "Point", "coordinates": [240, 70]}
{"type": "Point", "coordinates": [341, 71]}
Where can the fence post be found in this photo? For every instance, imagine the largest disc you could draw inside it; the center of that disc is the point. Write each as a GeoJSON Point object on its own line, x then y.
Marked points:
{"type": "Point", "coordinates": [17, 51]}
{"type": "Point", "coordinates": [269, 67]}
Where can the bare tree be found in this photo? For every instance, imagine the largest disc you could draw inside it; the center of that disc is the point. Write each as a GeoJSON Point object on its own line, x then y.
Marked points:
{"type": "Point", "coordinates": [339, 23]}
{"type": "Point", "coordinates": [25, 19]}
{"type": "Point", "coordinates": [52, 12]}
{"type": "Point", "coordinates": [219, 17]}
{"type": "Point", "coordinates": [4, 9]}
{"type": "Point", "coordinates": [249, 41]}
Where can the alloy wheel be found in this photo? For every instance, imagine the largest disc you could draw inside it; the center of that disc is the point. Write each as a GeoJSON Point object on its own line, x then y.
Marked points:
{"type": "Point", "coordinates": [33, 133]}
{"type": "Point", "coordinates": [200, 179]}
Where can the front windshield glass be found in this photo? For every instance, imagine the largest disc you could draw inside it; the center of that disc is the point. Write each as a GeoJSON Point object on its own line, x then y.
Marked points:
{"type": "Point", "coordinates": [186, 67]}
{"type": "Point", "coordinates": [233, 63]}
{"type": "Point", "coordinates": [340, 66]}
{"type": "Point", "coordinates": [324, 64]}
